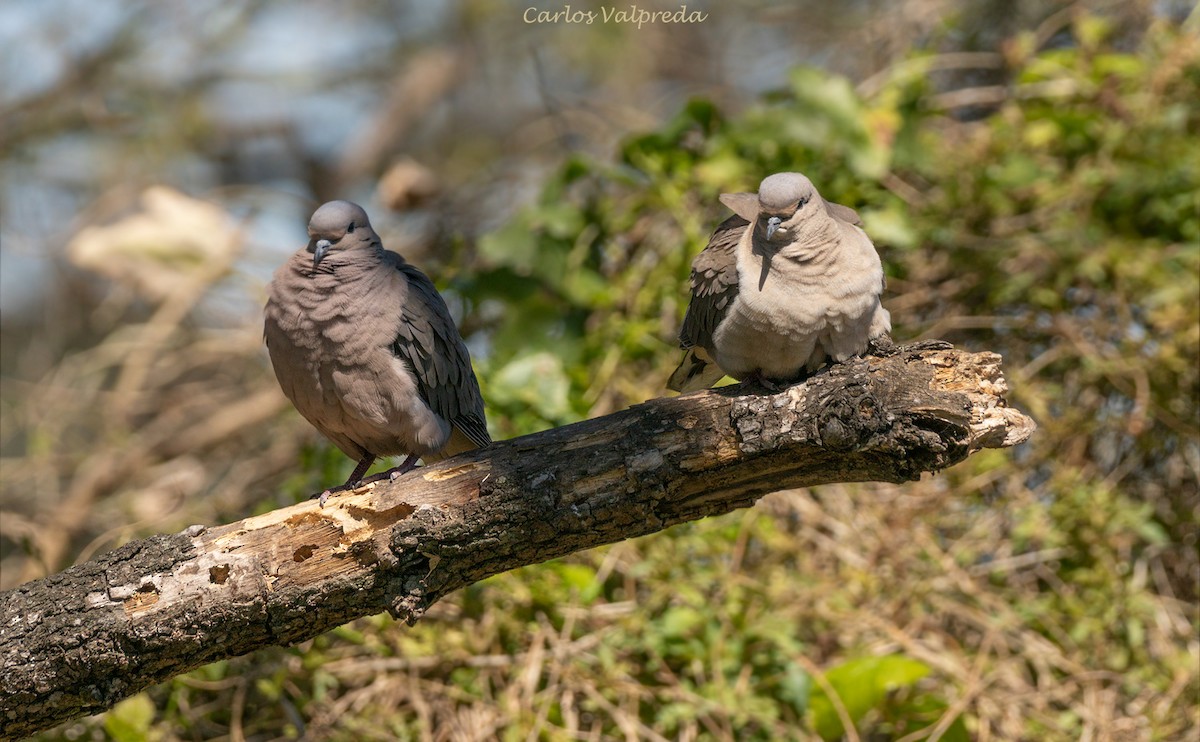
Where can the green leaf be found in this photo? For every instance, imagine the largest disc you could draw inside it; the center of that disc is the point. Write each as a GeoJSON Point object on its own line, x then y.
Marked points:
{"type": "Point", "coordinates": [537, 381]}
{"type": "Point", "coordinates": [680, 621]}
{"type": "Point", "coordinates": [579, 577]}
{"type": "Point", "coordinates": [890, 227]}
{"type": "Point", "coordinates": [796, 688]}
{"type": "Point", "coordinates": [130, 720]}
{"type": "Point", "coordinates": [862, 685]}
{"type": "Point", "coordinates": [513, 246]}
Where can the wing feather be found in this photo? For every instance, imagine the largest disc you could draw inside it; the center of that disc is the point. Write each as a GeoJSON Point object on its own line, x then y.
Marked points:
{"type": "Point", "coordinates": [429, 343]}
{"type": "Point", "coordinates": [714, 282]}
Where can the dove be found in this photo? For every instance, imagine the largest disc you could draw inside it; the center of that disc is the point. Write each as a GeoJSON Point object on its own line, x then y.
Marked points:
{"type": "Point", "coordinates": [364, 347]}
{"type": "Point", "coordinates": [786, 283]}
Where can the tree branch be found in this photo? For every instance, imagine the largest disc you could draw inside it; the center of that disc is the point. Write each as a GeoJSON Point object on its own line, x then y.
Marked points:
{"type": "Point", "coordinates": [79, 641]}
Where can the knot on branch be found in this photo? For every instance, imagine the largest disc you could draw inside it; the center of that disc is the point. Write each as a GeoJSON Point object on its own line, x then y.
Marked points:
{"type": "Point", "coordinates": [850, 416]}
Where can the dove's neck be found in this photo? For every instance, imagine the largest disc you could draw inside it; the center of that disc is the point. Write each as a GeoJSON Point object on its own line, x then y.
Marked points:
{"type": "Point", "coordinates": [761, 262]}
{"type": "Point", "coordinates": [343, 265]}
{"type": "Point", "coordinates": [817, 234]}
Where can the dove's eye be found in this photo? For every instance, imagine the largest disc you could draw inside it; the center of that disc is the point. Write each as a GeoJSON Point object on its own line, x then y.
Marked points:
{"type": "Point", "coordinates": [350, 228]}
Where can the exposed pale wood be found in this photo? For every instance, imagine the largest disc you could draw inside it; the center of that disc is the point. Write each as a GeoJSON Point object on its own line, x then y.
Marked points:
{"type": "Point", "coordinates": [81, 640]}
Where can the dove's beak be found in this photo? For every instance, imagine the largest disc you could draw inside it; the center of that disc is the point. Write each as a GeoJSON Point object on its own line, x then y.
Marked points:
{"type": "Point", "coordinates": [773, 225]}
{"type": "Point", "coordinates": [319, 251]}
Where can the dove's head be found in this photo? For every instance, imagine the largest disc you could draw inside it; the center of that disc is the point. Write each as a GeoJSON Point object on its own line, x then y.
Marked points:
{"type": "Point", "coordinates": [338, 225]}
{"type": "Point", "coordinates": [785, 200]}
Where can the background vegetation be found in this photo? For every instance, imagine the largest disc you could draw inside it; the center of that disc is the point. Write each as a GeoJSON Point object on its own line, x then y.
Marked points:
{"type": "Point", "coordinates": [1029, 171]}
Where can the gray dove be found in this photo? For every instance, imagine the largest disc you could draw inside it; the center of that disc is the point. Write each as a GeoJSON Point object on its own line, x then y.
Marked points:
{"type": "Point", "coordinates": [786, 283]}
{"type": "Point", "coordinates": [365, 348]}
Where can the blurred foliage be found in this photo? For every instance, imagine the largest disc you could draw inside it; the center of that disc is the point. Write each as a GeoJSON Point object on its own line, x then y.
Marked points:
{"type": "Point", "coordinates": [1045, 593]}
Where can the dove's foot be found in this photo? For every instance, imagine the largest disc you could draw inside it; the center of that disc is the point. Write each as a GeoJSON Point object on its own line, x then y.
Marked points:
{"type": "Point", "coordinates": [324, 496]}
{"type": "Point", "coordinates": [393, 474]}
{"type": "Point", "coordinates": [772, 385]}
{"type": "Point", "coordinates": [775, 386]}
{"type": "Point", "coordinates": [354, 482]}
{"type": "Point", "coordinates": [409, 464]}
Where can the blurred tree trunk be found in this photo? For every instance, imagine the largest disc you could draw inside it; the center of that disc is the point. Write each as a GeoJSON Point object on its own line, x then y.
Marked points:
{"type": "Point", "coordinates": [79, 641]}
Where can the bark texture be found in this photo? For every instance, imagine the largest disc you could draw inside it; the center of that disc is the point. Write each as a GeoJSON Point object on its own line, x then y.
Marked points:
{"type": "Point", "coordinates": [77, 642]}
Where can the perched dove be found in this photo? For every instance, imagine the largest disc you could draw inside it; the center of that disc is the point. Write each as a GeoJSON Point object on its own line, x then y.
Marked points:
{"type": "Point", "coordinates": [363, 345]}
{"type": "Point", "coordinates": [787, 282]}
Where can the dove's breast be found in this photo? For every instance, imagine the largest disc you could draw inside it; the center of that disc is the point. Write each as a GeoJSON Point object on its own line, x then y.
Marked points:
{"type": "Point", "coordinates": [811, 306]}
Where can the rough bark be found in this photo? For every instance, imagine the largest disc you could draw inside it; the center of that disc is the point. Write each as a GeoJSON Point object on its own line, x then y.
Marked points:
{"type": "Point", "coordinates": [79, 641]}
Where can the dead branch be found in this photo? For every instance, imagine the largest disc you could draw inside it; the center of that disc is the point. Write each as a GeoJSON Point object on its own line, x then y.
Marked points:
{"type": "Point", "coordinates": [77, 642]}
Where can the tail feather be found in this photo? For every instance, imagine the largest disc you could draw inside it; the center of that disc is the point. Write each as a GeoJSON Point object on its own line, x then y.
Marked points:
{"type": "Point", "coordinates": [696, 371]}
{"type": "Point", "coordinates": [459, 442]}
